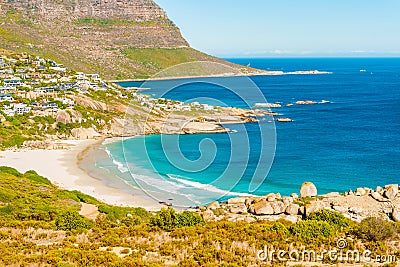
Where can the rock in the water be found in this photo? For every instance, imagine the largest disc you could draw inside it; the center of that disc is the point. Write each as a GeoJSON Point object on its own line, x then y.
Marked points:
{"type": "Point", "coordinates": [391, 191]}
{"type": "Point", "coordinates": [308, 189]}
{"type": "Point", "coordinates": [263, 208]}
{"type": "Point", "coordinates": [293, 209]}
{"type": "Point", "coordinates": [396, 214]}
{"type": "Point", "coordinates": [238, 208]}
{"type": "Point", "coordinates": [278, 207]}
{"type": "Point", "coordinates": [214, 205]}
{"type": "Point", "coordinates": [238, 200]}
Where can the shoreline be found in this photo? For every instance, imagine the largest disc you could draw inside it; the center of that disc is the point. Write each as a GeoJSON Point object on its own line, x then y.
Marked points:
{"type": "Point", "coordinates": [226, 75]}
{"type": "Point", "coordinates": [62, 168]}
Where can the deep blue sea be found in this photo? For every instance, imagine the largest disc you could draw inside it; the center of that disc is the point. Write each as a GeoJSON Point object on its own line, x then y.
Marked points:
{"type": "Point", "coordinates": [353, 141]}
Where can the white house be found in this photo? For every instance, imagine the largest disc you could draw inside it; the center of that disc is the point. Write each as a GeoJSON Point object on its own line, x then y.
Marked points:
{"type": "Point", "coordinates": [12, 82]}
{"type": "Point", "coordinates": [21, 108]}
{"type": "Point", "coordinates": [6, 97]}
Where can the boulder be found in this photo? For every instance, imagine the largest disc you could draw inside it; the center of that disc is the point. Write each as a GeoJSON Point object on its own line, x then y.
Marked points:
{"type": "Point", "coordinates": [302, 210]}
{"type": "Point", "coordinates": [237, 200]}
{"type": "Point", "coordinates": [294, 196]}
{"type": "Point", "coordinates": [396, 214]}
{"type": "Point", "coordinates": [340, 209]}
{"type": "Point", "coordinates": [377, 196]}
{"type": "Point", "coordinates": [293, 209]}
{"type": "Point", "coordinates": [379, 190]}
{"type": "Point", "coordinates": [360, 192]}
{"type": "Point", "coordinates": [315, 206]}
{"type": "Point", "coordinates": [332, 194]}
{"type": "Point", "coordinates": [287, 201]}
{"type": "Point", "coordinates": [208, 216]}
{"type": "Point", "coordinates": [291, 218]}
{"type": "Point", "coordinates": [278, 207]}
{"type": "Point", "coordinates": [238, 208]}
{"type": "Point", "coordinates": [308, 189]}
{"type": "Point", "coordinates": [391, 191]}
{"type": "Point", "coordinates": [356, 210]}
{"type": "Point", "coordinates": [214, 205]}
{"type": "Point", "coordinates": [271, 197]}
{"type": "Point", "coordinates": [263, 208]}
{"type": "Point", "coordinates": [249, 201]}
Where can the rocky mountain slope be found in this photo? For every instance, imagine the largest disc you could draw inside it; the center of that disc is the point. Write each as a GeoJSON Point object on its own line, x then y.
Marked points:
{"type": "Point", "coordinates": [117, 38]}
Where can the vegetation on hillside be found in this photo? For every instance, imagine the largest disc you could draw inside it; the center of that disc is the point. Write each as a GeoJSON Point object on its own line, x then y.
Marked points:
{"type": "Point", "coordinates": [155, 41]}
{"type": "Point", "coordinates": [40, 225]}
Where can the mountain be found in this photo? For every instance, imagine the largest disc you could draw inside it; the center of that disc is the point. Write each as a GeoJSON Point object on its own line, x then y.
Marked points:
{"type": "Point", "coordinates": [119, 39]}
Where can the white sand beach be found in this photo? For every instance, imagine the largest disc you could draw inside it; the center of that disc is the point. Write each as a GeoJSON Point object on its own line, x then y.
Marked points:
{"type": "Point", "coordinates": [61, 168]}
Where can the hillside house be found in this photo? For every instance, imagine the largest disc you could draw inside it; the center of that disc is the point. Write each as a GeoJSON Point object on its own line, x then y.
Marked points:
{"type": "Point", "coordinates": [6, 97]}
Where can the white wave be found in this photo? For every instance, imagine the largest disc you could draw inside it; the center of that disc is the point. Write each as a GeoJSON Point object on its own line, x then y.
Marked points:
{"type": "Point", "coordinates": [207, 187]}
{"type": "Point", "coordinates": [119, 165]}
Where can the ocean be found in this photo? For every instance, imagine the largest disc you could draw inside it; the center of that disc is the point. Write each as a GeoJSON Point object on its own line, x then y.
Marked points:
{"type": "Point", "coordinates": [351, 141]}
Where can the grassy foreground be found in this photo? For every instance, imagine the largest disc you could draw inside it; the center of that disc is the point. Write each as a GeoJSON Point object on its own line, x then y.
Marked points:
{"type": "Point", "coordinates": [40, 226]}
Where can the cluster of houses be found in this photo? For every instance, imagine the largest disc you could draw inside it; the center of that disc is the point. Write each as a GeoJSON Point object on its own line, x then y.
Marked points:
{"type": "Point", "coordinates": [162, 104]}
{"type": "Point", "coordinates": [36, 78]}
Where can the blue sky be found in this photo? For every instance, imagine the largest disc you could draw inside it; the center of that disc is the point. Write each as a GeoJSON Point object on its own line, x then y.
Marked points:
{"type": "Point", "coordinates": [264, 28]}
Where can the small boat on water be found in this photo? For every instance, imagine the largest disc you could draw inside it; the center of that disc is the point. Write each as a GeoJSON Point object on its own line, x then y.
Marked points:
{"type": "Point", "coordinates": [325, 101]}
{"type": "Point", "coordinates": [363, 70]}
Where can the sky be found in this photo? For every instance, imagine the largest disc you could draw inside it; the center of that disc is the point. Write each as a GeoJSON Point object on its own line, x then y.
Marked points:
{"type": "Point", "coordinates": [287, 28]}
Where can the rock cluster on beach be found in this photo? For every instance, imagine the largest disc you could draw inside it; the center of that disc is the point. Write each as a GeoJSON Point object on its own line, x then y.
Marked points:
{"type": "Point", "coordinates": [357, 205]}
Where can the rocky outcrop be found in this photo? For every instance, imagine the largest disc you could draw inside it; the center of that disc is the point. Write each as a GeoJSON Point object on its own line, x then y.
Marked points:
{"type": "Point", "coordinates": [308, 189]}
{"type": "Point", "coordinates": [391, 191]}
{"type": "Point", "coordinates": [365, 202]}
{"type": "Point", "coordinates": [396, 214]}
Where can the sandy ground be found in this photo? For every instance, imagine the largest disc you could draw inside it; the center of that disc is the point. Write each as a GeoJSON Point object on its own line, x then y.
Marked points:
{"type": "Point", "coordinates": [61, 168]}
{"type": "Point", "coordinates": [89, 211]}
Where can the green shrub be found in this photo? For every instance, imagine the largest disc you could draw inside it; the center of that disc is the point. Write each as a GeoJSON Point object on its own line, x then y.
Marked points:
{"type": "Point", "coordinates": [10, 170]}
{"type": "Point", "coordinates": [187, 218]}
{"type": "Point", "coordinates": [375, 229]}
{"type": "Point", "coordinates": [115, 213]}
{"type": "Point", "coordinates": [33, 176]}
{"type": "Point", "coordinates": [332, 217]}
{"type": "Point", "coordinates": [168, 219]}
{"type": "Point", "coordinates": [71, 220]}
{"type": "Point", "coordinates": [310, 230]}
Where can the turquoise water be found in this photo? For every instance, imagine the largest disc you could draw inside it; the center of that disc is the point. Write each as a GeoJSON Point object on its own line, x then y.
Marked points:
{"type": "Point", "coordinates": [352, 141]}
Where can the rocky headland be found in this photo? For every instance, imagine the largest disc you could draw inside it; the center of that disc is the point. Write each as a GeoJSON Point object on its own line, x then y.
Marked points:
{"type": "Point", "coordinates": [383, 202]}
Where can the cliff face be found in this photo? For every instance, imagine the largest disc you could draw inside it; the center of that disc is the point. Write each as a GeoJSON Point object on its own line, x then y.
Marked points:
{"type": "Point", "coordinates": [116, 38]}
